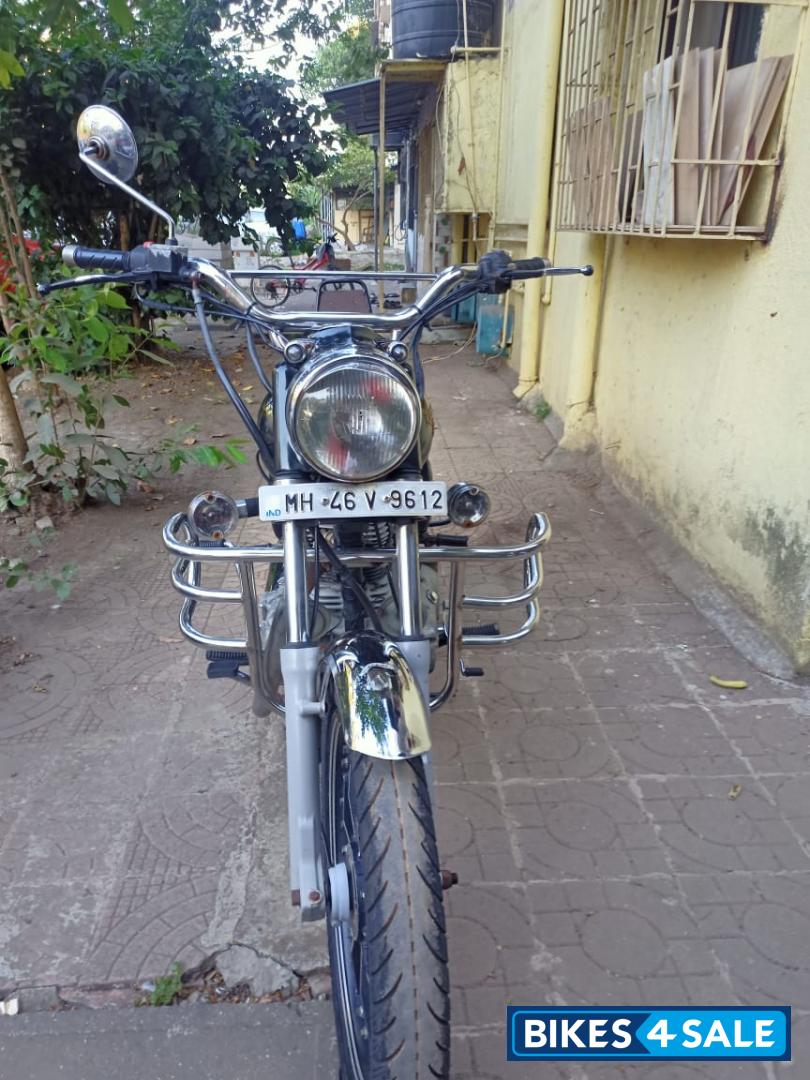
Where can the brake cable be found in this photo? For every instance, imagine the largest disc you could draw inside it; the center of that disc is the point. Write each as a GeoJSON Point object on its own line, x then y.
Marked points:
{"type": "Point", "coordinates": [345, 577]}
{"type": "Point", "coordinates": [230, 389]}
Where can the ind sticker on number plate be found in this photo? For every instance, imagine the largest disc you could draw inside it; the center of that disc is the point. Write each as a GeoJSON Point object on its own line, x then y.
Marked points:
{"type": "Point", "coordinates": [326, 502]}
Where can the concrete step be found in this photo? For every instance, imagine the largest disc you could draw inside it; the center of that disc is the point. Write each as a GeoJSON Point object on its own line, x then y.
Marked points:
{"type": "Point", "coordinates": [203, 1042]}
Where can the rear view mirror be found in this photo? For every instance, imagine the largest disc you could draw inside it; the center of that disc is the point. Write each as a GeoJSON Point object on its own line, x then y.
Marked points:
{"type": "Point", "coordinates": [106, 144]}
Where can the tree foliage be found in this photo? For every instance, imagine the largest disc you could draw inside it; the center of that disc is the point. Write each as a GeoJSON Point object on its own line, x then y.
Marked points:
{"type": "Point", "coordinates": [215, 137]}
{"type": "Point", "coordinates": [350, 57]}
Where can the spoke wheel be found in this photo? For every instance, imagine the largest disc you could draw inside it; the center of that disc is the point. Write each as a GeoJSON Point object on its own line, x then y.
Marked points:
{"type": "Point", "coordinates": [270, 293]}
{"type": "Point", "coordinates": [387, 946]}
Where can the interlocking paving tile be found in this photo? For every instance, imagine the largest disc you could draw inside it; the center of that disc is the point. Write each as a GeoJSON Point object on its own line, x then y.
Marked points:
{"type": "Point", "coordinates": [460, 751]}
{"type": "Point", "coordinates": [671, 740]}
{"type": "Point", "coordinates": [773, 737]}
{"type": "Point", "coordinates": [706, 826]}
{"type": "Point", "coordinates": [583, 786]}
{"type": "Point", "coordinates": [45, 931]}
{"type": "Point", "coordinates": [582, 829]}
{"type": "Point", "coordinates": [472, 833]}
{"type": "Point", "coordinates": [630, 677]}
{"type": "Point", "coordinates": [699, 663]}
{"type": "Point", "coordinates": [491, 952]}
{"type": "Point", "coordinates": [615, 942]}
{"type": "Point", "coordinates": [550, 744]}
{"type": "Point", "coordinates": [758, 925]}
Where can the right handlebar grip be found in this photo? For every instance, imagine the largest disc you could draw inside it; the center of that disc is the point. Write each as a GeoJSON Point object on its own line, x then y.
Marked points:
{"type": "Point", "coordinates": [95, 258]}
{"type": "Point", "coordinates": [531, 266]}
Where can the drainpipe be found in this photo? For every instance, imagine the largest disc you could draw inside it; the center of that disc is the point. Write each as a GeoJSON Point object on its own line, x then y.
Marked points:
{"type": "Point", "coordinates": [549, 49]}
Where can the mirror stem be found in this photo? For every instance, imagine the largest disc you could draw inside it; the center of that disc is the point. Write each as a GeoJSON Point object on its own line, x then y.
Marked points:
{"type": "Point", "coordinates": [92, 161]}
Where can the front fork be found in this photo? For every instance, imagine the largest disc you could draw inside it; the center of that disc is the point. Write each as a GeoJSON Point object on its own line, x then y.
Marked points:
{"type": "Point", "coordinates": [304, 707]}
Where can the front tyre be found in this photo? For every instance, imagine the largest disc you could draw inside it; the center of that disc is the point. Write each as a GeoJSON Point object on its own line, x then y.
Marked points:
{"type": "Point", "coordinates": [270, 293]}
{"type": "Point", "coordinates": [388, 952]}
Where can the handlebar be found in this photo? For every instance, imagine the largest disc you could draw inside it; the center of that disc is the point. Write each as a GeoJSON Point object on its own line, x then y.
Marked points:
{"type": "Point", "coordinates": [494, 273]}
{"type": "Point", "coordinates": [96, 258]}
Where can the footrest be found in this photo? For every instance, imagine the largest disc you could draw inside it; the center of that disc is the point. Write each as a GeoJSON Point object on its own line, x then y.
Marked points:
{"type": "Point", "coordinates": [484, 630]}
{"type": "Point", "coordinates": [225, 664]}
{"type": "Point", "coordinates": [218, 655]}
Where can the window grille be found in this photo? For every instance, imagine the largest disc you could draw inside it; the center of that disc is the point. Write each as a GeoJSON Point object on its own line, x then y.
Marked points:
{"type": "Point", "coordinates": [673, 115]}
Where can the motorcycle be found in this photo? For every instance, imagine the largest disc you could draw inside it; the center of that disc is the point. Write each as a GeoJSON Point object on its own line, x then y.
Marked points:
{"type": "Point", "coordinates": [346, 627]}
{"type": "Point", "coordinates": [273, 292]}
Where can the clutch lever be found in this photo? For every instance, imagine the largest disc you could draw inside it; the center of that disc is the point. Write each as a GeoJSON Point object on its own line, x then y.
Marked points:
{"type": "Point", "coordinates": [134, 277]}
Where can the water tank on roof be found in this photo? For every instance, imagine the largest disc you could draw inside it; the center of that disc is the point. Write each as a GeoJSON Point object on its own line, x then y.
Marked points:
{"type": "Point", "coordinates": [428, 29]}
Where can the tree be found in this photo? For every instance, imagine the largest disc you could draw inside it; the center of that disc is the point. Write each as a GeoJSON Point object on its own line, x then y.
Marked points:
{"type": "Point", "coordinates": [215, 138]}
{"type": "Point", "coordinates": [248, 21]}
{"type": "Point", "coordinates": [350, 57]}
{"type": "Point", "coordinates": [353, 171]}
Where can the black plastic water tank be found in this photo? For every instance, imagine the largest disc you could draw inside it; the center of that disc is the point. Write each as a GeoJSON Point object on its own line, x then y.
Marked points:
{"type": "Point", "coordinates": [430, 28]}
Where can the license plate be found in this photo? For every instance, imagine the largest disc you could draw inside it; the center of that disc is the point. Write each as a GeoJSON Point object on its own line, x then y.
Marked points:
{"type": "Point", "coordinates": [328, 502]}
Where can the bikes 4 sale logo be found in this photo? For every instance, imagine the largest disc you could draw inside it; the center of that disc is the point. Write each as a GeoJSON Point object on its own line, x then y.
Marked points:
{"type": "Point", "coordinates": [674, 1033]}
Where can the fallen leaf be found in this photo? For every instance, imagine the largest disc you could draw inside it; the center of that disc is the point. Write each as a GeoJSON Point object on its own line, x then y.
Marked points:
{"type": "Point", "coordinates": [246, 388]}
{"type": "Point", "coordinates": [173, 420]}
{"type": "Point", "coordinates": [728, 684]}
{"type": "Point", "coordinates": [39, 689]}
{"type": "Point", "coordinates": [735, 792]}
{"type": "Point", "coordinates": [170, 640]}
{"type": "Point", "coordinates": [144, 486]}
{"type": "Point", "coordinates": [220, 435]}
{"type": "Point", "coordinates": [189, 441]}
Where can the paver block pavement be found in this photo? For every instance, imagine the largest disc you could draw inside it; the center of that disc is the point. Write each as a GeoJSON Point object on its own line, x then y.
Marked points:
{"type": "Point", "coordinates": [624, 830]}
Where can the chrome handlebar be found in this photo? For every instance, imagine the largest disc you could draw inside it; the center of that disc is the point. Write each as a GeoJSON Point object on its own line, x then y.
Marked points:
{"type": "Point", "coordinates": [220, 283]}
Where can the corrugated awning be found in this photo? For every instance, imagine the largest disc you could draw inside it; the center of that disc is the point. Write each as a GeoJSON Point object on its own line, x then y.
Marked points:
{"type": "Point", "coordinates": [357, 107]}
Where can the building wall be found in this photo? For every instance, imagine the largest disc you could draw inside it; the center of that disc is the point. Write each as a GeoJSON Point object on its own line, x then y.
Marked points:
{"type": "Point", "coordinates": [701, 398]}
{"type": "Point", "coordinates": [528, 103]}
{"type": "Point", "coordinates": [468, 184]}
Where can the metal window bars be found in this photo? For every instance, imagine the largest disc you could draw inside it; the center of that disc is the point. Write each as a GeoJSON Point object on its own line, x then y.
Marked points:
{"type": "Point", "coordinates": [662, 130]}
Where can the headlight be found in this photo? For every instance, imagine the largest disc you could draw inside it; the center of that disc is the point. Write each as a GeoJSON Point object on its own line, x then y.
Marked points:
{"type": "Point", "coordinates": [354, 417]}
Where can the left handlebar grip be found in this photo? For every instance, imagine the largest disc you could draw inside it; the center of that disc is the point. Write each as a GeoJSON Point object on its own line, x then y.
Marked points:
{"type": "Point", "coordinates": [95, 258]}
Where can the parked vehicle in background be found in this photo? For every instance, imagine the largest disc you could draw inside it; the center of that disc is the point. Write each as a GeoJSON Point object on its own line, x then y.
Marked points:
{"type": "Point", "coordinates": [273, 292]}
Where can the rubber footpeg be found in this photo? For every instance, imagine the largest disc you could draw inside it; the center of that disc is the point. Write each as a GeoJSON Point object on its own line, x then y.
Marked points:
{"type": "Point", "coordinates": [471, 672]}
{"type": "Point", "coordinates": [218, 655]}
{"type": "Point", "coordinates": [484, 630]}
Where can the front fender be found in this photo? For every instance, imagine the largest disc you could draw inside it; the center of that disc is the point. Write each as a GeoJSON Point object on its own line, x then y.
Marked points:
{"type": "Point", "coordinates": [377, 698]}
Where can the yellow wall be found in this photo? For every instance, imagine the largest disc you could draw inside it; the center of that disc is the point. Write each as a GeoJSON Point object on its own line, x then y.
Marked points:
{"type": "Point", "coordinates": [359, 223]}
{"type": "Point", "coordinates": [702, 391]}
{"type": "Point", "coordinates": [469, 169]}
{"type": "Point", "coordinates": [529, 98]}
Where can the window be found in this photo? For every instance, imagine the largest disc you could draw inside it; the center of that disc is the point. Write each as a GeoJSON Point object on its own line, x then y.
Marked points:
{"type": "Point", "coordinates": [673, 115]}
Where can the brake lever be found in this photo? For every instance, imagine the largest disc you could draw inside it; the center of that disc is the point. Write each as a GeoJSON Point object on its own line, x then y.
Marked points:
{"type": "Point", "coordinates": [555, 271]}
{"type": "Point", "coordinates": [134, 277]}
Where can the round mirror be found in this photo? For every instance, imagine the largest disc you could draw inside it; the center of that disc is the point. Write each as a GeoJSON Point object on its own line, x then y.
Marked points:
{"type": "Point", "coordinates": [105, 138]}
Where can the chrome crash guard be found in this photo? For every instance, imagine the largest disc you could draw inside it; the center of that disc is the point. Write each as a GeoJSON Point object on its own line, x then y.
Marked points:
{"type": "Point", "coordinates": [378, 687]}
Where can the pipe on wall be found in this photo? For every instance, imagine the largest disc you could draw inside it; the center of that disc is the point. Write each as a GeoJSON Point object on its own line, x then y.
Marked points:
{"type": "Point", "coordinates": [549, 50]}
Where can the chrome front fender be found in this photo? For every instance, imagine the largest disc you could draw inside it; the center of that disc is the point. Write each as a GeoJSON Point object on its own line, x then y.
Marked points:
{"type": "Point", "coordinates": [377, 698]}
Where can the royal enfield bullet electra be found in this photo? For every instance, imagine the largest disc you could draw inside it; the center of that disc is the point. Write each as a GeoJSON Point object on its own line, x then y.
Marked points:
{"type": "Point", "coordinates": [346, 614]}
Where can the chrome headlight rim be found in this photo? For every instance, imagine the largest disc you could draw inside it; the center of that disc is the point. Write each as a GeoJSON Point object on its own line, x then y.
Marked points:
{"type": "Point", "coordinates": [319, 368]}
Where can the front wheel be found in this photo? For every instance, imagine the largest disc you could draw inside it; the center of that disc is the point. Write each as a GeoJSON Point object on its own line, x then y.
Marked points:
{"type": "Point", "coordinates": [387, 945]}
{"type": "Point", "coordinates": [270, 292]}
